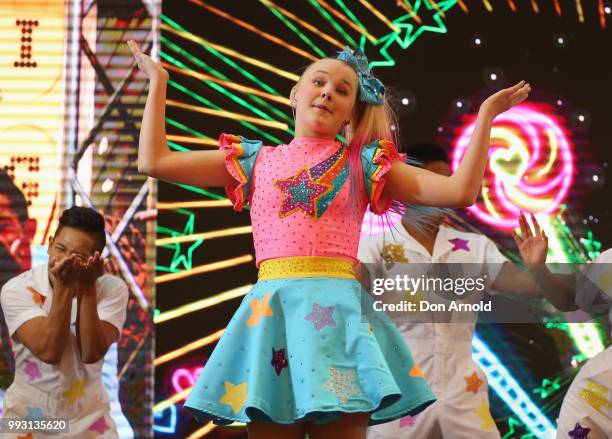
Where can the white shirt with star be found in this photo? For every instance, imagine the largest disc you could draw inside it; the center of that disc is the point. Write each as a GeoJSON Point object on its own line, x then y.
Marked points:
{"type": "Point", "coordinates": [72, 383]}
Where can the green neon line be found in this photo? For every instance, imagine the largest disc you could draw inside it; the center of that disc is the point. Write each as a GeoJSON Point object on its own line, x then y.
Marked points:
{"type": "Point", "coordinates": [178, 147]}
{"type": "Point", "coordinates": [352, 16]}
{"type": "Point", "coordinates": [333, 22]}
{"type": "Point", "coordinates": [166, 269]}
{"type": "Point", "coordinates": [228, 61]}
{"type": "Point", "coordinates": [186, 128]}
{"type": "Point", "coordinates": [291, 26]}
{"type": "Point", "coordinates": [223, 90]}
{"type": "Point", "coordinates": [210, 104]}
{"type": "Point", "coordinates": [218, 74]}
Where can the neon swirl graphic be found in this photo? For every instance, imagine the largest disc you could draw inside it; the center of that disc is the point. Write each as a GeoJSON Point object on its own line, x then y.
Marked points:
{"type": "Point", "coordinates": [530, 167]}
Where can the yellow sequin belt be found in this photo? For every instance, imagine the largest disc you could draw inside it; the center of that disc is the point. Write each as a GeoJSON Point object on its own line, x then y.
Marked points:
{"type": "Point", "coordinates": [306, 266]}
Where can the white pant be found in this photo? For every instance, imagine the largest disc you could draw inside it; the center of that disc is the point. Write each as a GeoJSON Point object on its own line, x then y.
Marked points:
{"type": "Point", "coordinates": [457, 413]}
{"type": "Point", "coordinates": [588, 401]}
{"type": "Point", "coordinates": [92, 420]}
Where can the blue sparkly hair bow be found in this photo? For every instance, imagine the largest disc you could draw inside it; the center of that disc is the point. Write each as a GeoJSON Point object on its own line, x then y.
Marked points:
{"type": "Point", "coordinates": [371, 90]}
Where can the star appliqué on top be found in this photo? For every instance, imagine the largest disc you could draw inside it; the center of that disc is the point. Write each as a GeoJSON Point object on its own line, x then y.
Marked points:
{"type": "Point", "coordinates": [300, 193]}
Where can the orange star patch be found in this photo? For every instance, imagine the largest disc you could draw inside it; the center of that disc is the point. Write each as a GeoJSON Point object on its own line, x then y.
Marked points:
{"type": "Point", "coordinates": [416, 371]}
{"type": "Point", "coordinates": [38, 298]}
{"type": "Point", "coordinates": [473, 383]}
{"type": "Point", "coordinates": [259, 309]}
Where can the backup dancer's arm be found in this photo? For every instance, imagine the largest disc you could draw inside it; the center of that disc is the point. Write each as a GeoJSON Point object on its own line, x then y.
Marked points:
{"type": "Point", "coordinates": [155, 159]}
{"type": "Point", "coordinates": [415, 185]}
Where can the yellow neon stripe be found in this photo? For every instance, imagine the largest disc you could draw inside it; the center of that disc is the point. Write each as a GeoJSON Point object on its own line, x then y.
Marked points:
{"type": "Point", "coordinates": [380, 15]}
{"type": "Point", "coordinates": [261, 64]}
{"type": "Point", "coordinates": [534, 5]}
{"type": "Point", "coordinates": [343, 17]}
{"type": "Point", "coordinates": [233, 231]}
{"type": "Point", "coordinates": [487, 201]}
{"type": "Point", "coordinates": [192, 139]}
{"type": "Point", "coordinates": [487, 5]}
{"type": "Point", "coordinates": [580, 11]}
{"type": "Point", "coordinates": [410, 11]}
{"type": "Point", "coordinates": [232, 85]}
{"type": "Point", "coordinates": [193, 204]}
{"type": "Point", "coordinates": [204, 269]}
{"type": "Point", "coordinates": [554, 147]}
{"type": "Point", "coordinates": [202, 304]}
{"type": "Point", "coordinates": [437, 8]}
{"type": "Point", "coordinates": [255, 30]}
{"type": "Point", "coordinates": [204, 341]}
{"type": "Point", "coordinates": [172, 400]}
{"type": "Point", "coordinates": [227, 114]}
{"type": "Point", "coordinates": [520, 199]}
{"type": "Point", "coordinates": [305, 24]}
{"type": "Point", "coordinates": [202, 431]}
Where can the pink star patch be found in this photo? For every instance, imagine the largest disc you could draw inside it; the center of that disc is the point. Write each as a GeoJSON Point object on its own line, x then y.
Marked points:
{"type": "Point", "coordinates": [408, 421]}
{"type": "Point", "coordinates": [32, 370]}
{"type": "Point", "coordinates": [300, 192]}
{"type": "Point", "coordinates": [460, 244]}
{"type": "Point", "coordinates": [100, 426]}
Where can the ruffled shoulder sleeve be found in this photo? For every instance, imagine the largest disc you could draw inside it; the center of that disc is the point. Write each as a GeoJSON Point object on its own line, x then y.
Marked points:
{"type": "Point", "coordinates": [240, 155]}
{"type": "Point", "coordinates": [376, 160]}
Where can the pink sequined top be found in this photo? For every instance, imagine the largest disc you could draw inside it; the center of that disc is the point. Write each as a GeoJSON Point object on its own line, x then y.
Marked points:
{"type": "Point", "coordinates": [299, 193]}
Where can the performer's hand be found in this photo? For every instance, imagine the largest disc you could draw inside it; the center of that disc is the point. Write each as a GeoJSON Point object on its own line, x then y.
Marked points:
{"type": "Point", "coordinates": [533, 246]}
{"type": "Point", "coordinates": [505, 99]}
{"type": "Point", "coordinates": [153, 70]}
{"type": "Point", "coordinates": [91, 270]}
{"type": "Point", "coordinates": [66, 273]}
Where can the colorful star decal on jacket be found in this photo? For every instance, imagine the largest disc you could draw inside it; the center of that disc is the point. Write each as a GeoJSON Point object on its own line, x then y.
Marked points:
{"type": "Point", "coordinates": [300, 193]}
{"type": "Point", "coordinates": [259, 309]}
{"type": "Point", "coordinates": [279, 360]}
{"type": "Point", "coordinates": [321, 316]}
{"type": "Point", "coordinates": [473, 383]}
{"type": "Point", "coordinates": [235, 395]}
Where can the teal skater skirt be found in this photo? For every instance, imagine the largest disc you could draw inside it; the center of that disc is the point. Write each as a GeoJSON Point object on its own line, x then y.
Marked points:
{"type": "Point", "coordinates": [306, 345]}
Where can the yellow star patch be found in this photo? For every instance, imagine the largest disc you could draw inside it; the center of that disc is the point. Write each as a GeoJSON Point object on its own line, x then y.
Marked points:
{"type": "Point", "coordinates": [259, 309]}
{"type": "Point", "coordinates": [393, 253]}
{"type": "Point", "coordinates": [485, 415]}
{"type": "Point", "coordinates": [473, 383]}
{"type": "Point", "coordinates": [596, 395]}
{"type": "Point", "coordinates": [75, 392]}
{"type": "Point", "coordinates": [235, 395]}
